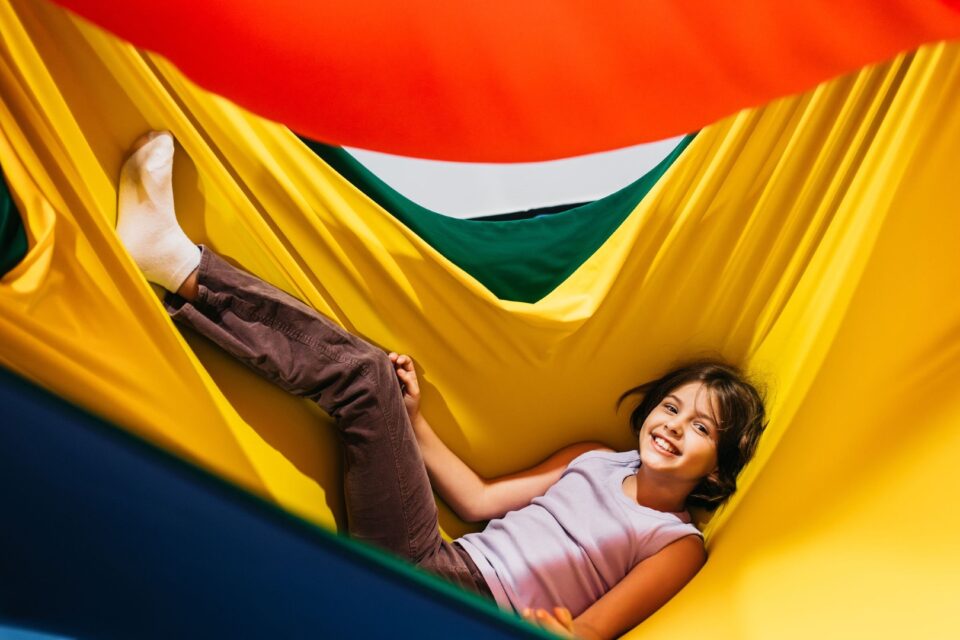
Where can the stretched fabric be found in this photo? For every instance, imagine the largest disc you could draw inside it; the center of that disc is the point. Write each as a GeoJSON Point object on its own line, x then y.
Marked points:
{"type": "Point", "coordinates": [512, 81]}
{"type": "Point", "coordinates": [161, 560]}
{"type": "Point", "coordinates": [521, 260]}
{"type": "Point", "coordinates": [811, 240]}
{"type": "Point", "coordinates": [13, 239]}
{"type": "Point", "coordinates": [519, 257]}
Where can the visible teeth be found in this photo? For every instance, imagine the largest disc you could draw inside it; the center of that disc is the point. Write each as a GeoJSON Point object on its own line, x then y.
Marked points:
{"type": "Point", "coordinates": [666, 445]}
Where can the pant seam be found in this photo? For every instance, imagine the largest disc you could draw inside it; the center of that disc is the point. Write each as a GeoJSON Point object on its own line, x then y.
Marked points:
{"type": "Point", "coordinates": [237, 306]}
{"type": "Point", "coordinates": [401, 481]}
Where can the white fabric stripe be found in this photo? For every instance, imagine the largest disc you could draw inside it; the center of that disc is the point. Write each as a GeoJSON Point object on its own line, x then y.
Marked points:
{"type": "Point", "coordinates": [467, 190]}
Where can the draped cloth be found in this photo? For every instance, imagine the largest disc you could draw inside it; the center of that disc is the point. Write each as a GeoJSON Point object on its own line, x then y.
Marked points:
{"type": "Point", "coordinates": [515, 81]}
{"type": "Point", "coordinates": [812, 240]}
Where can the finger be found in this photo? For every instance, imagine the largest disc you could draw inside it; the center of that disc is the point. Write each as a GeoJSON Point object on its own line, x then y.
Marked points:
{"type": "Point", "coordinates": [406, 371]}
{"type": "Point", "coordinates": [412, 382]}
{"type": "Point", "coordinates": [563, 616]}
{"type": "Point", "coordinates": [393, 355]}
{"type": "Point", "coordinates": [548, 622]}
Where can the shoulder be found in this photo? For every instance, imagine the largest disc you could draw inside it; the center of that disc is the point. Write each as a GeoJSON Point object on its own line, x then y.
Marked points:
{"type": "Point", "coordinates": [591, 451]}
{"type": "Point", "coordinates": [681, 559]}
{"type": "Point", "coordinates": [684, 556]}
{"type": "Point", "coordinates": [690, 546]}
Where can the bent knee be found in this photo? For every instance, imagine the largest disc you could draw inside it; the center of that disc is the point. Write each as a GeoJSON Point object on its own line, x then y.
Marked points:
{"type": "Point", "coordinates": [373, 362]}
{"type": "Point", "coordinates": [369, 382]}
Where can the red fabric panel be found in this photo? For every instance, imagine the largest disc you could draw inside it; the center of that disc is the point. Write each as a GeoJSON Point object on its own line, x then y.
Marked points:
{"type": "Point", "coordinates": [514, 81]}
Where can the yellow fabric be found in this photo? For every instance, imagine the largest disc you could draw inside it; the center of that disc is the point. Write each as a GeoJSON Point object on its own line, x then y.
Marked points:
{"type": "Point", "coordinates": [813, 240]}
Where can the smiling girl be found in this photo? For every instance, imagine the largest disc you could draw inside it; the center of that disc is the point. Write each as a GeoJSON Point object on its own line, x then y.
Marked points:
{"type": "Point", "coordinates": [588, 543]}
{"type": "Point", "coordinates": [593, 541]}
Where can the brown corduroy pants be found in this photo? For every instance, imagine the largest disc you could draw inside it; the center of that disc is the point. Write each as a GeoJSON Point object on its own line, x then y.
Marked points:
{"type": "Point", "coordinates": [387, 493]}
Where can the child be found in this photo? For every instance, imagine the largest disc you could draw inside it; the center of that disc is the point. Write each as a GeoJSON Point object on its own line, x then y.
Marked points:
{"type": "Point", "coordinates": [589, 542]}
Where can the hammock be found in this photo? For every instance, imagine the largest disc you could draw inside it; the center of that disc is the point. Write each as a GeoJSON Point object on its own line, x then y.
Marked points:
{"type": "Point", "coordinates": [812, 240]}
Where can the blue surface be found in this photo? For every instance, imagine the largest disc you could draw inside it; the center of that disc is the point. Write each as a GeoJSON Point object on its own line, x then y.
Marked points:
{"type": "Point", "coordinates": [12, 633]}
{"type": "Point", "coordinates": [105, 536]}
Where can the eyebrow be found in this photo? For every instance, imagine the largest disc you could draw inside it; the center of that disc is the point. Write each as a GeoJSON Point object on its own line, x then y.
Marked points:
{"type": "Point", "coordinates": [702, 416]}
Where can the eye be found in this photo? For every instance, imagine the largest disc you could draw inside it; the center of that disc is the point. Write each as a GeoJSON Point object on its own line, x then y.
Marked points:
{"type": "Point", "coordinates": [702, 428]}
{"type": "Point", "coordinates": [671, 408]}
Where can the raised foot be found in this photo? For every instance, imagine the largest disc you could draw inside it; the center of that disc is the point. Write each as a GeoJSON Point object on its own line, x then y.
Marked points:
{"type": "Point", "coordinates": [147, 137]}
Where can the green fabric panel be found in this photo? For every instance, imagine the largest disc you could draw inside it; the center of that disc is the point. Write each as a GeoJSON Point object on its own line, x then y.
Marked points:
{"type": "Point", "coordinates": [13, 238]}
{"type": "Point", "coordinates": [521, 260]}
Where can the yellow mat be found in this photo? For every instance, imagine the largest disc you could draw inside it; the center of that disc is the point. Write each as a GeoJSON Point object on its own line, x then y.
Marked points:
{"type": "Point", "coordinates": [814, 240]}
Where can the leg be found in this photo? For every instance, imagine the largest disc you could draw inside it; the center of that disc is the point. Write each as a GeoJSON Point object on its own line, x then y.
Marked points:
{"type": "Point", "coordinates": [146, 221]}
{"type": "Point", "coordinates": [190, 288]}
{"type": "Point", "coordinates": [388, 495]}
{"type": "Point", "coordinates": [453, 563]}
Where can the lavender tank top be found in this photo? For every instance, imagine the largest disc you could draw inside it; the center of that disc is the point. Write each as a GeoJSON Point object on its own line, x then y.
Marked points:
{"type": "Point", "coordinates": [571, 545]}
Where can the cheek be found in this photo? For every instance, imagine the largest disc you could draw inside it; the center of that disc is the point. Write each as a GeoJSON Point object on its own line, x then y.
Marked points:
{"type": "Point", "coordinates": [645, 427]}
{"type": "Point", "coordinates": [711, 458]}
{"type": "Point", "coordinates": [641, 439]}
{"type": "Point", "coordinates": [706, 451]}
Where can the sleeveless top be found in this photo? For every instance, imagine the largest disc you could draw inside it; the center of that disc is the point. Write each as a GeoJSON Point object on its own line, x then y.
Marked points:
{"type": "Point", "coordinates": [571, 545]}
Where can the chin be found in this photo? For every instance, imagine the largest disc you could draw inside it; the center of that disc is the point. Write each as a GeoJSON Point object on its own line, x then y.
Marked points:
{"type": "Point", "coordinates": [651, 460]}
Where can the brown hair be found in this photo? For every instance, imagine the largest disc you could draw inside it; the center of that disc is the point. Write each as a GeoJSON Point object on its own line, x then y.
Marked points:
{"type": "Point", "coordinates": [741, 421]}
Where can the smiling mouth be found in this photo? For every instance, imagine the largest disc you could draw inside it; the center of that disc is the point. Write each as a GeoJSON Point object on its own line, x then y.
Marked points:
{"type": "Point", "coordinates": [664, 446]}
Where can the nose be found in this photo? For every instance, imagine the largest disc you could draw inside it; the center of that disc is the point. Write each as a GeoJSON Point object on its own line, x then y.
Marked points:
{"type": "Point", "coordinates": [675, 427]}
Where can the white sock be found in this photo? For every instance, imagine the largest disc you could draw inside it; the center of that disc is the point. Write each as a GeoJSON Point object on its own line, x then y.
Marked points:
{"type": "Point", "coordinates": [146, 221]}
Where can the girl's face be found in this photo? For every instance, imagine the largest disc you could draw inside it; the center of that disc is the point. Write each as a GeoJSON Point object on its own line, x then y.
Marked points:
{"type": "Point", "coordinates": [679, 437]}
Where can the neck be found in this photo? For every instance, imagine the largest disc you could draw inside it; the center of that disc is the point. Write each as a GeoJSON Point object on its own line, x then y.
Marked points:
{"type": "Point", "coordinates": [656, 492]}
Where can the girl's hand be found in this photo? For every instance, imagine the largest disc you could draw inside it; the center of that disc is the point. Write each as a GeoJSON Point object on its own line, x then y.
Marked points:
{"type": "Point", "coordinates": [407, 376]}
{"type": "Point", "coordinates": [559, 621]}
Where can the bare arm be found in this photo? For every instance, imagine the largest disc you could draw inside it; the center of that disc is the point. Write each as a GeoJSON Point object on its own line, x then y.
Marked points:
{"type": "Point", "coordinates": [472, 497]}
{"type": "Point", "coordinates": [647, 587]}
{"type": "Point", "coordinates": [475, 498]}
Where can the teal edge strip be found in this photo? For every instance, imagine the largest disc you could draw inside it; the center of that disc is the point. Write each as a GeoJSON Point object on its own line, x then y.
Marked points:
{"type": "Point", "coordinates": [520, 260]}
{"type": "Point", "coordinates": [13, 237]}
